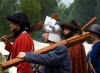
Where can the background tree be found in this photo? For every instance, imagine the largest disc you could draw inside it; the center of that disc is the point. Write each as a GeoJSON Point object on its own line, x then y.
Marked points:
{"type": "Point", "coordinates": [49, 7]}
{"type": "Point", "coordinates": [97, 11]}
{"type": "Point", "coordinates": [82, 11]}
{"type": "Point", "coordinates": [62, 8]}
{"type": "Point", "coordinates": [6, 7]}
{"type": "Point", "coordinates": [77, 11]}
{"type": "Point", "coordinates": [32, 8]}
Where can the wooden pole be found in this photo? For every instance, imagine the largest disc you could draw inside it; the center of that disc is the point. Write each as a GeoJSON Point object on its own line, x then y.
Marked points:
{"type": "Point", "coordinates": [89, 23]}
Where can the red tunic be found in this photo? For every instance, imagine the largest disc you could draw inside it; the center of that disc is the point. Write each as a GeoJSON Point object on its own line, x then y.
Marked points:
{"type": "Point", "coordinates": [23, 43]}
{"type": "Point", "coordinates": [78, 58]}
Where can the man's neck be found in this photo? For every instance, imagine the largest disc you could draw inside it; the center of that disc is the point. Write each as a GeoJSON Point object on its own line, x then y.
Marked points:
{"type": "Point", "coordinates": [96, 40]}
{"type": "Point", "coordinates": [52, 43]}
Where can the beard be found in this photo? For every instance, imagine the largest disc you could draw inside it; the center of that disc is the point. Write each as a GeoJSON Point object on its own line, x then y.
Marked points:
{"type": "Point", "coordinates": [69, 35]}
{"type": "Point", "coordinates": [18, 32]}
{"type": "Point", "coordinates": [14, 30]}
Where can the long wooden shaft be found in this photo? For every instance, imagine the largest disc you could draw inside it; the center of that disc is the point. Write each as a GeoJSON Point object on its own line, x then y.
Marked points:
{"type": "Point", "coordinates": [89, 23]}
{"type": "Point", "coordinates": [69, 42]}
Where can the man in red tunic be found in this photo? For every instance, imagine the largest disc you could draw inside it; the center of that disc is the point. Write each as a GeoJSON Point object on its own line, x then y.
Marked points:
{"type": "Point", "coordinates": [23, 41]}
{"type": "Point", "coordinates": [77, 52]}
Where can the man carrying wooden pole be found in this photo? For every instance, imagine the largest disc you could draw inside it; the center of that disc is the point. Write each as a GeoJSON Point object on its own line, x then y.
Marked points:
{"type": "Point", "coordinates": [77, 52]}
{"type": "Point", "coordinates": [55, 61]}
{"type": "Point", "coordinates": [19, 23]}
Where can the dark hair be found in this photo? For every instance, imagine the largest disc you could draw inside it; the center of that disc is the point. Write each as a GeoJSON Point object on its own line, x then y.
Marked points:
{"type": "Point", "coordinates": [17, 33]}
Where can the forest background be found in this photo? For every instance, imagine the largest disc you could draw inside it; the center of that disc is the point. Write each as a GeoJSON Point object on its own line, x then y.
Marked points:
{"type": "Point", "coordinates": [80, 10]}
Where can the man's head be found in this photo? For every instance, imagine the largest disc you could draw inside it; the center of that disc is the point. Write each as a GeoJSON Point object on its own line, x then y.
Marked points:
{"type": "Point", "coordinates": [51, 30]}
{"type": "Point", "coordinates": [94, 31]}
{"type": "Point", "coordinates": [18, 20]}
{"type": "Point", "coordinates": [70, 28]}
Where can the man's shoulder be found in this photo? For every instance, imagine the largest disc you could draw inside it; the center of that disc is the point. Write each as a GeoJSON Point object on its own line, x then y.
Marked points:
{"type": "Point", "coordinates": [23, 36]}
{"type": "Point", "coordinates": [96, 44]}
{"type": "Point", "coordinates": [61, 48]}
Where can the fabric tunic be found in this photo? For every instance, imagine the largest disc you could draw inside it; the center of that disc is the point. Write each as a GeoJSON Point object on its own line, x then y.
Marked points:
{"type": "Point", "coordinates": [78, 57]}
{"type": "Point", "coordinates": [55, 61]}
{"type": "Point", "coordinates": [94, 55]}
{"type": "Point", "coordinates": [23, 43]}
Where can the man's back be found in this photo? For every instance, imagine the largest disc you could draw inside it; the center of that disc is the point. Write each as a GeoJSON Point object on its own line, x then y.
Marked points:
{"type": "Point", "coordinates": [23, 43]}
{"type": "Point", "coordinates": [55, 61]}
{"type": "Point", "coordinates": [78, 58]}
